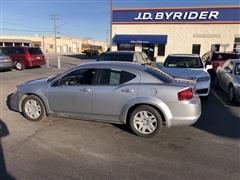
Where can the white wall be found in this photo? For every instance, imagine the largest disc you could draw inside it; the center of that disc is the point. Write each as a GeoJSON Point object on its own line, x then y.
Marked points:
{"type": "Point", "coordinates": [182, 36]}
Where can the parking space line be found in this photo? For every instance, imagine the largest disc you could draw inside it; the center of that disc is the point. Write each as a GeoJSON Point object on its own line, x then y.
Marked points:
{"type": "Point", "coordinates": [219, 98]}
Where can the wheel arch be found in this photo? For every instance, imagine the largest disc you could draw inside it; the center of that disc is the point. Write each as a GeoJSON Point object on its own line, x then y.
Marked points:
{"type": "Point", "coordinates": [160, 106]}
{"type": "Point", "coordinates": [32, 94]}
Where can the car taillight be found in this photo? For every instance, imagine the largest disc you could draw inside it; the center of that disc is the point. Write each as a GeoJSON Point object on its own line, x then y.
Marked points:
{"type": "Point", "coordinates": [185, 95]}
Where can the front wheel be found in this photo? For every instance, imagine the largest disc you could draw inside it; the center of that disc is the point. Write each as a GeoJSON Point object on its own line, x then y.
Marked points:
{"type": "Point", "coordinates": [33, 108]}
{"type": "Point", "coordinates": [145, 121]}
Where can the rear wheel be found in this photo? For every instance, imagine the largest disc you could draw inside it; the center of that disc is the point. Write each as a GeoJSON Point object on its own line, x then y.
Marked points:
{"type": "Point", "coordinates": [19, 65]}
{"type": "Point", "coordinates": [33, 108]}
{"type": "Point", "coordinates": [145, 121]}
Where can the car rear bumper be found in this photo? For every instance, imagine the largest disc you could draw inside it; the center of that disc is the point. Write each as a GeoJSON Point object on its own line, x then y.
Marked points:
{"type": "Point", "coordinates": [185, 113]}
{"type": "Point", "coordinates": [6, 65]}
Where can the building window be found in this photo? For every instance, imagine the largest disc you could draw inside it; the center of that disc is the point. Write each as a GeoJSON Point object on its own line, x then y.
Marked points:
{"type": "Point", "coordinates": [161, 49]}
{"type": "Point", "coordinates": [236, 46]}
{"type": "Point", "coordinates": [126, 47]}
{"type": "Point", "coordinates": [51, 46]}
{"type": "Point", "coordinates": [196, 48]}
{"type": "Point", "coordinates": [215, 47]}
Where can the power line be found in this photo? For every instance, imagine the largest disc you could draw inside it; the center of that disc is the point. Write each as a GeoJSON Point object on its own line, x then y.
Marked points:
{"type": "Point", "coordinates": [22, 30]}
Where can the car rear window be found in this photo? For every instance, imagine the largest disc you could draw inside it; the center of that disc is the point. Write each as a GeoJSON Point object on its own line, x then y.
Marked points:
{"type": "Point", "coordinates": [183, 62]}
{"type": "Point", "coordinates": [224, 56]}
{"type": "Point", "coordinates": [34, 51]}
{"type": "Point", "coordinates": [118, 57]}
{"type": "Point", "coordinates": [159, 74]}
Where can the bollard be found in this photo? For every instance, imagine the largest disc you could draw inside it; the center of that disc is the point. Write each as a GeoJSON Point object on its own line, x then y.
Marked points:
{"type": "Point", "coordinates": [59, 62]}
{"type": "Point", "coordinates": [47, 62]}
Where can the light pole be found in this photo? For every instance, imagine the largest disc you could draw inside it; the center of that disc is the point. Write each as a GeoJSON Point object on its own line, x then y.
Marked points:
{"type": "Point", "coordinates": [110, 32]}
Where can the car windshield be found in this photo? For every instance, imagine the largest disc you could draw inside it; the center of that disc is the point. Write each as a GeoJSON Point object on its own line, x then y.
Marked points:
{"type": "Point", "coordinates": [118, 57]}
{"type": "Point", "coordinates": [237, 69]}
{"type": "Point", "coordinates": [34, 51]}
{"type": "Point", "coordinates": [183, 62]}
{"type": "Point", "coordinates": [224, 56]}
{"type": "Point", "coordinates": [159, 74]}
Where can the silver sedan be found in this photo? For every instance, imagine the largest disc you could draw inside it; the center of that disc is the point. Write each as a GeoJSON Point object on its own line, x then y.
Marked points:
{"type": "Point", "coordinates": [137, 95]}
{"type": "Point", "coordinates": [228, 78]}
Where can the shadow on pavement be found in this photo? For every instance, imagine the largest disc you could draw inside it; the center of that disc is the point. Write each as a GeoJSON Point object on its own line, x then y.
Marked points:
{"type": "Point", "coordinates": [218, 119]}
{"type": "Point", "coordinates": [82, 56]}
{"type": "Point", "coordinates": [3, 170]}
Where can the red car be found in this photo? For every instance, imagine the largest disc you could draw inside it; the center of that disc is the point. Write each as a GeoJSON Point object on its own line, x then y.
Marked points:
{"type": "Point", "coordinates": [25, 56]}
{"type": "Point", "coordinates": [217, 59]}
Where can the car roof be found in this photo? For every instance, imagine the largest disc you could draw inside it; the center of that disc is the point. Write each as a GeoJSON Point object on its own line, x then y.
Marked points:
{"type": "Point", "coordinates": [119, 52]}
{"type": "Point", "coordinates": [120, 64]}
{"type": "Point", "coordinates": [184, 55]}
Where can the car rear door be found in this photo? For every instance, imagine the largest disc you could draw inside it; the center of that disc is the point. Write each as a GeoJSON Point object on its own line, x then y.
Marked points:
{"type": "Point", "coordinates": [114, 88]}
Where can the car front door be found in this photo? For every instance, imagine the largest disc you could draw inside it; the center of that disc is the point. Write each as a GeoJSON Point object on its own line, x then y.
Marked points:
{"type": "Point", "coordinates": [114, 89]}
{"type": "Point", "coordinates": [72, 94]}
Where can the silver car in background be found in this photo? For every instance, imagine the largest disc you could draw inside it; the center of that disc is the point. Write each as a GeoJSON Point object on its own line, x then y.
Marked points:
{"type": "Point", "coordinates": [228, 79]}
{"type": "Point", "coordinates": [6, 62]}
{"type": "Point", "coordinates": [116, 92]}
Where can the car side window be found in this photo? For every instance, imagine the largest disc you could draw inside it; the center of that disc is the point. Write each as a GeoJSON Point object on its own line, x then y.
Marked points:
{"type": "Point", "coordinates": [19, 51]}
{"type": "Point", "coordinates": [78, 77]}
{"type": "Point", "coordinates": [225, 65]}
{"type": "Point", "coordinates": [113, 77]}
{"type": "Point", "coordinates": [230, 66]}
{"type": "Point", "coordinates": [238, 69]}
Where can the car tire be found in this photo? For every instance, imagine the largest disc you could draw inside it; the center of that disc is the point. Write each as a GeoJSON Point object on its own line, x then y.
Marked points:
{"type": "Point", "coordinates": [33, 108]}
{"type": "Point", "coordinates": [19, 65]}
{"type": "Point", "coordinates": [145, 121]}
{"type": "Point", "coordinates": [231, 94]}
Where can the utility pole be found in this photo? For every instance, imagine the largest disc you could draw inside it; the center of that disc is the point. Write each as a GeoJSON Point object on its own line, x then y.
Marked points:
{"type": "Point", "coordinates": [111, 17]}
{"type": "Point", "coordinates": [54, 19]}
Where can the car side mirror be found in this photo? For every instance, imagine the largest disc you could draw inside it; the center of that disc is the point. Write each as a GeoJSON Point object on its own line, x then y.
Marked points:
{"type": "Point", "coordinates": [209, 66]}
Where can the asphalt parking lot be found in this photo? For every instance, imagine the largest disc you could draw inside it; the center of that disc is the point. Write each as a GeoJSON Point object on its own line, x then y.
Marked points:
{"type": "Point", "coordinates": [59, 148]}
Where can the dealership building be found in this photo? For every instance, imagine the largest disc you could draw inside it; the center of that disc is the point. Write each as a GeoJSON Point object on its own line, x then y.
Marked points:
{"type": "Point", "coordinates": [163, 31]}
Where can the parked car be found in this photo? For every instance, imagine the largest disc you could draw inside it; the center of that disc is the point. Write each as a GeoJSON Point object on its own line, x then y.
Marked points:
{"type": "Point", "coordinates": [228, 79]}
{"type": "Point", "coordinates": [116, 92]}
{"type": "Point", "coordinates": [217, 59]}
{"type": "Point", "coordinates": [25, 56]}
{"type": "Point", "coordinates": [5, 62]}
{"type": "Point", "coordinates": [189, 66]}
{"type": "Point", "coordinates": [128, 56]}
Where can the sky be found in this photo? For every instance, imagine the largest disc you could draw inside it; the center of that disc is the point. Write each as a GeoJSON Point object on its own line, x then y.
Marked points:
{"type": "Point", "coordinates": [76, 18]}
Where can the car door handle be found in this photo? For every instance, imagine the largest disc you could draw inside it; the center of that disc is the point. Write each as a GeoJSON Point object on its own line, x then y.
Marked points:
{"type": "Point", "coordinates": [85, 90]}
{"type": "Point", "coordinates": [127, 90]}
